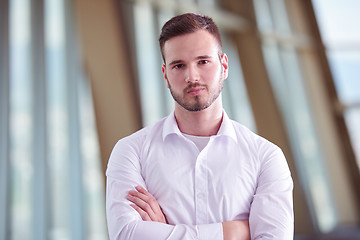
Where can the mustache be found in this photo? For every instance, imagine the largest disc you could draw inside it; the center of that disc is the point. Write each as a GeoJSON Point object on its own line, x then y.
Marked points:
{"type": "Point", "coordinates": [194, 85]}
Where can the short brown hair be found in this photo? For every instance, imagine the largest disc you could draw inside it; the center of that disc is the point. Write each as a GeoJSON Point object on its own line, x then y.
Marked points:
{"type": "Point", "coordinates": [188, 23]}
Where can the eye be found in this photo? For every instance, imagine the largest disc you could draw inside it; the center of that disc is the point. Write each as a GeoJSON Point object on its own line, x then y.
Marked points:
{"type": "Point", "coordinates": [178, 66]}
{"type": "Point", "coordinates": [203, 61]}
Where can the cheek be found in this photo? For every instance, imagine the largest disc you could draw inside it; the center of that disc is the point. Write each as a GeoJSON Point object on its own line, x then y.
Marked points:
{"type": "Point", "coordinates": [212, 76]}
{"type": "Point", "coordinates": [175, 83]}
{"type": "Point", "coordinates": [175, 78]}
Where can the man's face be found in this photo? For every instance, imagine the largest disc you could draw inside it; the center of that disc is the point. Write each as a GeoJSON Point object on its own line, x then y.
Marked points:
{"type": "Point", "coordinates": [193, 70]}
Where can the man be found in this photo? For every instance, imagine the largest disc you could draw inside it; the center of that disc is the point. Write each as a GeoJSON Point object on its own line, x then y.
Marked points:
{"type": "Point", "coordinates": [196, 174]}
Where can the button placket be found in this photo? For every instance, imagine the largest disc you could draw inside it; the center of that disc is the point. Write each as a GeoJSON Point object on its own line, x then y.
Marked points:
{"type": "Point", "coordinates": [201, 193]}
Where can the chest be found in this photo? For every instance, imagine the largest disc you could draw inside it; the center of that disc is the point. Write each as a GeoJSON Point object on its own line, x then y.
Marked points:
{"type": "Point", "coordinates": [220, 180]}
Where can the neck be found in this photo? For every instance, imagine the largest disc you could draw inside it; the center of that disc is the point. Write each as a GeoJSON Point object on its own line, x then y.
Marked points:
{"type": "Point", "coordinates": [202, 123]}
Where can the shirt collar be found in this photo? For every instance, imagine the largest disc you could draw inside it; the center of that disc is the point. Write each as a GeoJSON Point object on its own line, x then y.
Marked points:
{"type": "Point", "coordinates": [170, 126]}
{"type": "Point", "coordinates": [226, 128]}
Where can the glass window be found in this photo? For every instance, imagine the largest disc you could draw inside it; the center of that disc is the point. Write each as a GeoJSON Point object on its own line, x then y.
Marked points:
{"type": "Point", "coordinates": [4, 118]}
{"type": "Point", "coordinates": [21, 144]}
{"type": "Point", "coordinates": [338, 22]}
{"type": "Point", "coordinates": [54, 183]}
{"type": "Point", "coordinates": [149, 65]}
{"type": "Point", "coordinates": [208, 3]}
{"type": "Point", "coordinates": [235, 98]}
{"type": "Point", "coordinates": [58, 148]}
{"type": "Point", "coordinates": [288, 85]}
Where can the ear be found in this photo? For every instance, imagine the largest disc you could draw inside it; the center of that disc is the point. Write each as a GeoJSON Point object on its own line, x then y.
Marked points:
{"type": "Point", "coordinates": [225, 65]}
{"type": "Point", "coordinates": [163, 69]}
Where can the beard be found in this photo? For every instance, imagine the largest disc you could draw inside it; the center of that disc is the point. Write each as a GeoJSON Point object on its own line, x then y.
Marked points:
{"type": "Point", "coordinates": [198, 102]}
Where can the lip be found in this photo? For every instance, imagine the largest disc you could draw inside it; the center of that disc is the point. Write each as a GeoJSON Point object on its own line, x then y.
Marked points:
{"type": "Point", "coordinates": [195, 91]}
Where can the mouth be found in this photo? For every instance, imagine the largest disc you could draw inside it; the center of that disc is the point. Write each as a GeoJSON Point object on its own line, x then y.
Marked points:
{"type": "Point", "coordinates": [195, 90]}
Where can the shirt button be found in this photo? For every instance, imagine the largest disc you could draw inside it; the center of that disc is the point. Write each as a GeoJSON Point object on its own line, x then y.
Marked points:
{"type": "Point", "coordinates": [201, 196]}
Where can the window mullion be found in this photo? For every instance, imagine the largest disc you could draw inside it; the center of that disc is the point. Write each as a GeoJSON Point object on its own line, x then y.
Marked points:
{"type": "Point", "coordinates": [40, 198]}
{"type": "Point", "coordinates": [72, 88]}
{"type": "Point", "coordinates": [4, 119]}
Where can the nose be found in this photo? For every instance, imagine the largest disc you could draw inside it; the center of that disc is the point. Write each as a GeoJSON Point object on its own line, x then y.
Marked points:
{"type": "Point", "coordinates": [192, 75]}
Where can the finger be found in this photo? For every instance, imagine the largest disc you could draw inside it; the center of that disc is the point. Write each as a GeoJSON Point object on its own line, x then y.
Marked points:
{"type": "Point", "coordinates": [140, 195]}
{"type": "Point", "coordinates": [147, 203]}
{"type": "Point", "coordinates": [146, 197]}
{"type": "Point", "coordinates": [144, 216]}
{"type": "Point", "coordinates": [142, 190]}
{"type": "Point", "coordinates": [150, 199]}
{"type": "Point", "coordinates": [157, 213]}
{"type": "Point", "coordinates": [142, 204]}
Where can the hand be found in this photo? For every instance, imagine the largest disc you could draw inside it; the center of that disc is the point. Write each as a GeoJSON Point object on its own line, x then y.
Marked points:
{"type": "Point", "coordinates": [146, 205]}
{"type": "Point", "coordinates": [236, 230]}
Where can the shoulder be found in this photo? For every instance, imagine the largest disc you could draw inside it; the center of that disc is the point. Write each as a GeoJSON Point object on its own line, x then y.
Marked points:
{"type": "Point", "coordinates": [245, 134]}
{"type": "Point", "coordinates": [137, 141]}
{"type": "Point", "coordinates": [269, 157]}
{"type": "Point", "coordinates": [259, 145]}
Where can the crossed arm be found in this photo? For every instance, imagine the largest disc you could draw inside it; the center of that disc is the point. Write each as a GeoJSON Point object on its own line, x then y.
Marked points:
{"type": "Point", "coordinates": [149, 209]}
{"type": "Point", "coordinates": [270, 216]}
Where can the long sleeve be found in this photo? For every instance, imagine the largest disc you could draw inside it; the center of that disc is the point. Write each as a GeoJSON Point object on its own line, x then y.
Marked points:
{"type": "Point", "coordinates": [237, 176]}
{"type": "Point", "coordinates": [271, 214]}
{"type": "Point", "coordinates": [123, 174]}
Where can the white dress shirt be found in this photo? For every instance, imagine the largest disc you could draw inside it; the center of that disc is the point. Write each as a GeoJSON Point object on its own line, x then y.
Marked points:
{"type": "Point", "coordinates": [238, 175]}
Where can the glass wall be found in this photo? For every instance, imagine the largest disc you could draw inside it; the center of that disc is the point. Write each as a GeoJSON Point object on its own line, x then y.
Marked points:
{"type": "Point", "coordinates": [338, 22]}
{"type": "Point", "coordinates": [284, 69]}
{"type": "Point", "coordinates": [20, 122]}
{"type": "Point", "coordinates": [51, 177]}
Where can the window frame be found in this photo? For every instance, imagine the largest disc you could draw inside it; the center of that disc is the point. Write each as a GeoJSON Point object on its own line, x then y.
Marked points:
{"type": "Point", "coordinates": [342, 169]}
{"type": "Point", "coordinates": [4, 119]}
{"type": "Point", "coordinates": [38, 201]}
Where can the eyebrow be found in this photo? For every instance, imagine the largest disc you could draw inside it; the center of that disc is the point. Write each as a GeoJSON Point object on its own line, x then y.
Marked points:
{"type": "Point", "coordinates": [175, 62]}
{"type": "Point", "coordinates": [197, 58]}
{"type": "Point", "coordinates": [204, 57]}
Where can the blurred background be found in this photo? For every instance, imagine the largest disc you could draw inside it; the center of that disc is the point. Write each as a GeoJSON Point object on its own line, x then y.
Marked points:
{"type": "Point", "coordinates": [78, 75]}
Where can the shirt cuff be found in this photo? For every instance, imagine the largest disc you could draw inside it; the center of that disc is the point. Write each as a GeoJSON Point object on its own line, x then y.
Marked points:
{"type": "Point", "coordinates": [210, 231]}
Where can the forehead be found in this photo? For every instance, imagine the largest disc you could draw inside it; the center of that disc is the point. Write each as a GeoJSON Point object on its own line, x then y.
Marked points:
{"type": "Point", "coordinates": [190, 46]}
